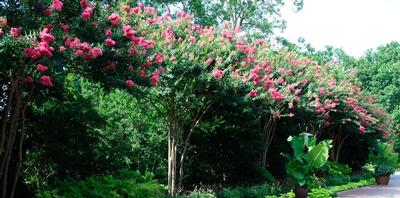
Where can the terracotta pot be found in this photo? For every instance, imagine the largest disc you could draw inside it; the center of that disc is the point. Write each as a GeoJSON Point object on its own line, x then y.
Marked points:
{"type": "Point", "coordinates": [300, 192]}
{"type": "Point", "coordinates": [382, 179]}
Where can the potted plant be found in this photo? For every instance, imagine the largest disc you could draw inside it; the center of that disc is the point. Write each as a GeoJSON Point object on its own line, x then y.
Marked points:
{"type": "Point", "coordinates": [384, 158]}
{"type": "Point", "coordinates": [308, 157]}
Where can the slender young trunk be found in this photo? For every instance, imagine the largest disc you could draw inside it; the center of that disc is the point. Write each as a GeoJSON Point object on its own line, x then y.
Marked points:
{"type": "Point", "coordinates": [172, 146]}
{"type": "Point", "coordinates": [196, 121]}
{"type": "Point", "coordinates": [182, 158]}
{"type": "Point", "coordinates": [269, 130]}
{"type": "Point", "coordinates": [10, 132]}
{"type": "Point", "coordinates": [172, 163]}
{"type": "Point", "coordinates": [338, 142]}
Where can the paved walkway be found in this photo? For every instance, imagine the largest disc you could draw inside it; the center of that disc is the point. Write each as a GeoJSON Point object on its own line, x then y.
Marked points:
{"type": "Point", "coordinates": [391, 190]}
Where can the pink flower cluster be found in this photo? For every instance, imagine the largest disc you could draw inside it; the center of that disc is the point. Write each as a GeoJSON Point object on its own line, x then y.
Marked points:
{"type": "Point", "coordinates": [43, 48]}
{"type": "Point", "coordinates": [217, 73]}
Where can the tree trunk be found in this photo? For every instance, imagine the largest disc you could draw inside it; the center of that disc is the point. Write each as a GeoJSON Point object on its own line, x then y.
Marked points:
{"type": "Point", "coordinates": [10, 127]}
{"type": "Point", "coordinates": [269, 132]}
{"type": "Point", "coordinates": [172, 144]}
{"type": "Point", "coordinates": [338, 140]}
{"type": "Point", "coordinates": [182, 158]}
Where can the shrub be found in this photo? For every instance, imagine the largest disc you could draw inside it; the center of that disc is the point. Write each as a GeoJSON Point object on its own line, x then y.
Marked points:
{"type": "Point", "coordinates": [124, 184]}
{"type": "Point", "coordinates": [337, 180]}
{"type": "Point", "coordinates": [336, 169]}
{"type": "Point", "coordinates": [258, 191]}
{"type": "Point", "coordinates": [202, 195]}
{"type": "Point", "coordinates": [320, 193]}
{"type": "Point", "coordinates": [351, 185]}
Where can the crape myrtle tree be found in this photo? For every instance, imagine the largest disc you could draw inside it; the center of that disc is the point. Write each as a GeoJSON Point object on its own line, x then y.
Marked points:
{"type": "Point", "coordinates": [173, 63]}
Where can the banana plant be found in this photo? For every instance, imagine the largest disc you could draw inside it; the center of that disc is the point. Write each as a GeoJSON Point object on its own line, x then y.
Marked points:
{"type": "Point", "coordinates": [308, 157]}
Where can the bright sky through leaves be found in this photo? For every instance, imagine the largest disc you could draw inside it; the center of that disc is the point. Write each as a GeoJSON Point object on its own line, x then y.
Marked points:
{"type": "Point", "coordinates": [354, 25]}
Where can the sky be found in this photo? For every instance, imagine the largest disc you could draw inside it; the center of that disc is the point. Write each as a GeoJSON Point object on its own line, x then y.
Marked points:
{"type": "Point", "coordinates": [354, 25]}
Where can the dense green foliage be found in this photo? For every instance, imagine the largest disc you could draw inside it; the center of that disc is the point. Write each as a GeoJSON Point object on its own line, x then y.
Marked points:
{"type": "Point", "coordinates": [124, 184]}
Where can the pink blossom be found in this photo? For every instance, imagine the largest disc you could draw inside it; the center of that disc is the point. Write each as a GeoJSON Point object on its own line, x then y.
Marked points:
{"type": "Point", "coordinates": [108, 33]}
{"type": "Point", "coordinates": [290, 105]}
{"type": "Point", "coordinates": [72, 44]}
{"type": "Point", "coordinates": [32, 53]}
{"type": "Point", "coordinates": [321, 111]}
{"type": "Point", "coordinates": [65, 27]}
{"type": "Point", "coordinates": [275, 94]}
{"type": "Point", "coordinates": [297, 92]}
{"type": "Point", "coordinates": [57, 5]}
{"type": "Point", "coordinates": [129, 83]}
{"type": "Point", "coordinates": [208, 61]}
{"type": "Point", "coordinates": [1, 32]}
{"type": "Point", "coordinates": [87, 13]}
{"type": "Point", "coordinates": [151, 21]}
{"type": "Point", "coordinates": [47, 12]}
{"type": "Point", "coordinates": [159, 59]}
{"type": "Point", "coordinates": [155, 78]}
{"type": "Point", "coordinates": [226, 35]}
{"type": "Point", "coordinates": [260, 41]}
{"type": "Point", "coordinates": [79, 53]}
{"type": "Point", "coordinates": [304, 81]}
{"type": "Point", "coordinates": [181, 14]}
{"type": "Point", "coordinates": [362, 129]}
{"type": "Point", "coordinates": [41, 68]}
{"type": "Point", "coordinates": [217, 73]}
{"type": "Point", "coordinates": [192, 39]}
{"type": "Point", "coordinates": [253, 93]}
{"type": "Point", "coordinates": [3, 22]}
{"type": "Point", "coordinates": [150, 10]}
{"type": "Point", "coordinates": [46, 81]}
{"type": "Point", "coordinates": [45, 36]}
{"type": "Point", "coordinates": [168, 33]}
{"type": "Point", "coordinates": [83, 3]}
{"type": "Point", "coordinates": [288, 72]}
{"type": "Point", "coordinates": [15, 32]}
{"type": "Point", "coordinates": [127, 9]}
{"type": "Point", "coordinates": [62, 48]}
{"type": "Point", "coordinates": [84, 46]}
{"type": "Point", "coordinates": [172, 58]}
{"type": "Point", "coordinates": [128, 32]}
{"type": "Point", "coordinates": [96, 52]}
{"type": "Point", "coordinates": [29, 79]}
{"type": "Point", "coordinates": [110, 42]}
{"type": "Point", "coordinates": [136, 10]}
{"type": "Point", "coordinates": [44, 49]}
{"type": "Point", "coordinates": [114, 19]}
{"type": "Point", "coordinates": [321, 91]}
{"type": "Point", "coordinates": [386, 134]}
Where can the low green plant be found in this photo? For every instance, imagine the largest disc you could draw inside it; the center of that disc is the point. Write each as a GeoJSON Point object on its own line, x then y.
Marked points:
{"type": "Point", "coordinates": [320, 193]}
{"type": "Point", "coordinates": [337, 180]}
{"type": "Point", "coordinates": [384, 158]}
{"type": "Point", "coordinates": [307, 159]}
{"type": "Point", "coordinates": [351, 185]}
{"type": "Point", "coordinates": [336, 169]}
{"type": "Point", "coordinates": [257, 191]}
{"type": "Point", "coordinates": [128, 184]}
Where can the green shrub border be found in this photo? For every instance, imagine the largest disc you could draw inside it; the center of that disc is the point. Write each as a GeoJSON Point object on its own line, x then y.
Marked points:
{"type": "Point", "coordinates": [352, 185]}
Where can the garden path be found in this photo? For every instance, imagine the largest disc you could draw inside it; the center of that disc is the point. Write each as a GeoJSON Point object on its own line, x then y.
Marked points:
{"type": "Point", "coordinates": [391, 190]}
